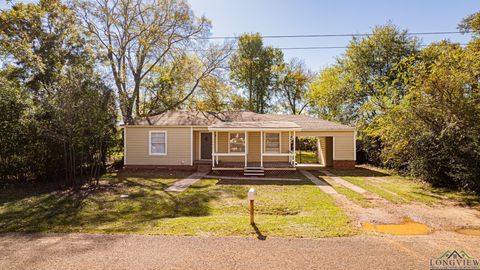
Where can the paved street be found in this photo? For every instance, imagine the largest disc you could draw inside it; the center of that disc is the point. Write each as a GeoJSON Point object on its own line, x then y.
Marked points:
{"type": "Point", "coordinates": [87, 251]}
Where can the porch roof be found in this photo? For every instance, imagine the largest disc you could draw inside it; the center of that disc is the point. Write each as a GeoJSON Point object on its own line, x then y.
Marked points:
{"type": "Point", "coordinates": [255, 125]}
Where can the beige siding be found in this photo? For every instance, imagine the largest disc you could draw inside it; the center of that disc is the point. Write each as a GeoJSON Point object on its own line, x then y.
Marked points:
{"type": "Point", "coordinates": [253, 148]}
{"type": "Point", "coordinates": [343, 143]}
{"type": "Point", "coordinates": [178, 146]}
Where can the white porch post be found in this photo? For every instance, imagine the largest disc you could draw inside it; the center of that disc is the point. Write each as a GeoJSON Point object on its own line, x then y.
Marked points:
{"type": "Point", "coordinates": [294, 149]}
{"type": "Point", "coordinates": [216, 145]}
{"type": "Point", "coordinates": [290, 146]}
{"type": "Point", "coordinates": [191, 146]}
{"type": "Point", "coordinates": [246, 148]}
{"type": "Point", "coordinates": [261, 148]}
{"type": "Point", "coordinates": [213, 149]}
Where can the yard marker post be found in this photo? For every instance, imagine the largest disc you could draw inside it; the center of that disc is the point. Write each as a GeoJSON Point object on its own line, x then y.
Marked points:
{"type": "Point", "coordinates": [252, 193]}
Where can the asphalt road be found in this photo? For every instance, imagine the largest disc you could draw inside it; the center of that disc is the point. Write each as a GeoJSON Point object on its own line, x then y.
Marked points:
{"type": "Point", "coordinates": [87, 251]}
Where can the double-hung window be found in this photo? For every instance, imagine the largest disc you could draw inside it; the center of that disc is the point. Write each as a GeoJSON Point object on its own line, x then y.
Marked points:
{"type": "Point", "coordinates": [237, 142]}
{"type": "Point", "coordinates": [158, 143]}
{"type": "Point", "coordinates": [272, 142]}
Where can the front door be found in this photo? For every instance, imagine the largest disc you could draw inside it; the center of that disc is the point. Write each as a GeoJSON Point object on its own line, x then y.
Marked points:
{"type": "Point", "coordinates": [206, 145]}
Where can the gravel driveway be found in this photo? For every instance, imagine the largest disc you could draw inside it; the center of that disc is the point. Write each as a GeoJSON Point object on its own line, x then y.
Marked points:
{"type": "Point", "coordinates": [88, 251]}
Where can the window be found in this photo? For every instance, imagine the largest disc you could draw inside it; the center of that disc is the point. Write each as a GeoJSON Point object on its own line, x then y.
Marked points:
{"type": "Point", "coordinates": [272, 142]}
{"type": "Point", "coordinates": [158, 143]}
{"type": "Point", "coordinates": [237, 142]}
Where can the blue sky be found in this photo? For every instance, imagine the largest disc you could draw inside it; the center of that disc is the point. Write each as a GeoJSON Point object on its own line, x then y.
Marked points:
{"type": "Point", "coordinates": [282, 17]}
{"type": "Point", "coordinates": [292, 17]}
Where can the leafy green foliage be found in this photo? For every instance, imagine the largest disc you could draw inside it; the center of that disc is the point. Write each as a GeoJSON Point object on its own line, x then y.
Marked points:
{"type": "Point", "coordinates": [253, 68]}
{"type": "Point", "coordinates": [62, 112]}
{"type": "Point", "coordinates": [292, 86]}
{"type": "Point", "coordinates": [416, 110]}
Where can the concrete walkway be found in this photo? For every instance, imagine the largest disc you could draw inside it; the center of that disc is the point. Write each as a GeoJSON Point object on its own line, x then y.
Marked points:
{"type": "Point", "coordinates": [183, 184]}
{"type": "Point", "coordinates": [344, 183]}
{"type": "Point", "coordinates": [118, 252]}
{"type": "Point", "coordinates": [325, 187]}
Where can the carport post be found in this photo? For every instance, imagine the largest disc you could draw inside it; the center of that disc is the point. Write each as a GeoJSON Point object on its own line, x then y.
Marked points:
{"type": "Point", "coordinates": [261, 148]}
{"type": "Point", "coordinates": [294, 148]}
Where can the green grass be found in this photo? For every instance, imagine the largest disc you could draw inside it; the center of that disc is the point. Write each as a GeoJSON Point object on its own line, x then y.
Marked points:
{"type": "Point", "coordinates": [306, 157]}
{"type": "Point", "coordinates": [400, 189]}
{"type": "Point", "coordinates": [354, 196]}
{"type": "Point", "coordinates": [209, 207]}
{"type": "Point", "coordinates": [350, 194]}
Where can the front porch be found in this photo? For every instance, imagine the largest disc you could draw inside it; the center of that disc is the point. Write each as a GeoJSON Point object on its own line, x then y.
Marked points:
{"type": "Point", "coordinates": [258, 147]}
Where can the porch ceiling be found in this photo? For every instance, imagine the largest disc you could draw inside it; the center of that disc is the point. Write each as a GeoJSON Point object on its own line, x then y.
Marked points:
{"type": "Point", "coordinates": [255, 126]}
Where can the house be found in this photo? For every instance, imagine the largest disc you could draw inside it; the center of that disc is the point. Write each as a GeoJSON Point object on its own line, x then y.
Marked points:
{"type": "Point", "coordinates": [240, 140]}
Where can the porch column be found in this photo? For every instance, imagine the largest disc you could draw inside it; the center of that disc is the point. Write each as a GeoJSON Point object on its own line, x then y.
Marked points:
{"type": "Point", "coordinates": [216, 146]}
{"type": "Point", "coordinates": [261, 148]}
{"type": "Point", "coordinates": [213, 149]}
{"type": "Point", "coordinates": [246, 148]}
{"type": "Point", "coordinates": [294, 149]}
{"type": "Point", "coordinates": [290, 146]}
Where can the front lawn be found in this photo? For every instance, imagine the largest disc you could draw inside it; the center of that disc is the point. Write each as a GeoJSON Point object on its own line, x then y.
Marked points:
{"type": "Point", "coordinates": [400, 189]}
{"type": "Point", "coordinates": [209, 207]}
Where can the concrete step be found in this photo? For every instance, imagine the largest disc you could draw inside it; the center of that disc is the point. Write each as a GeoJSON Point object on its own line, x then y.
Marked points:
{"type": "Point", "coordinates": [253, 174]}
{"type": "Point", "coordinates": [253, 168]}
{"type": "Point", "coordinates": [204, 168]}
{"type": "Point", "coordinates": [254, 171]}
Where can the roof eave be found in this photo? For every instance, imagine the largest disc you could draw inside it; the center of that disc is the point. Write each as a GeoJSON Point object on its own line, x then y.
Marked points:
{"type": "Point", "coordinates": [254, 129]}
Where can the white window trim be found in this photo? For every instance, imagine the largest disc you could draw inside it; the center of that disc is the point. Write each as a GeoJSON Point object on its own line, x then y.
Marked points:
{"type": "Point", "coordinates": [150, 142]}
{"type": "Point", "coordinates": [245, 146]}
{"type": "Point", "coordinates": [279, 142]}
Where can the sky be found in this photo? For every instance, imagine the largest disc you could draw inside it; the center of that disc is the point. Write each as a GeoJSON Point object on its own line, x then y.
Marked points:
{"type": "Point", "coordinates": [294, 17]}
{"type": "Point", "coordinates": [297, 17]}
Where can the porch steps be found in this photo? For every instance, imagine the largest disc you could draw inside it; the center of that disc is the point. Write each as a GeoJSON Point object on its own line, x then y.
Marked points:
{"type": "Point", "coordinates": [253, 171]}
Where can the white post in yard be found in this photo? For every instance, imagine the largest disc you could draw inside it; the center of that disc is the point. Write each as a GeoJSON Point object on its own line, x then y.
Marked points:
{"type": "Point", "coordinates": [261, 149]}
{"type": "Point", "coordinates": [252, 193]}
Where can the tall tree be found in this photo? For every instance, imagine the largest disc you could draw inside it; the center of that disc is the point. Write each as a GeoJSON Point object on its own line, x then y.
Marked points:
{"type": "Point", "coordinates": [371, 82]}
{"type": "Point", "coordinates": [292, 86]}
{"type": "Point", "coordinates": [136, 37]}
{"type": "Point", "coordinates": [253, 68]}
{"type": "Point", "coordinates": [70, 117]}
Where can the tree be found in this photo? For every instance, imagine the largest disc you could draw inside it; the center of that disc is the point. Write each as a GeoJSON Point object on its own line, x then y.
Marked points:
{"type": "Point", "coordinates": [13, 127]}
{"type": "Point", "coordinates": [215, 95]}
{"type": "Point", "coordinates": [67, 118]}
{"type": "Point", "coordinates": [331, 97]}
{"type": "Point", "coordinates": [434, 132]}
{"type": "Point", "coordinates": [253, 68]}
{"type": "Point", "coordinates": [136, 37]}
{"type": "Point", "coordinates": [292, 86]}
{"type": "Point", "coordinates": [368, 82]}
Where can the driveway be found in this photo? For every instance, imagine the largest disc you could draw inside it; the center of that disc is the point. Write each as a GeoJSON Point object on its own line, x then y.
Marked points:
{"type": "Point", "coordinates": [88, 251]}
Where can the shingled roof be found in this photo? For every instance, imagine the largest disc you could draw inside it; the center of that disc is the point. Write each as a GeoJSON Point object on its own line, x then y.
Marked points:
{"type": "Point", "coordinates": [197, 118]}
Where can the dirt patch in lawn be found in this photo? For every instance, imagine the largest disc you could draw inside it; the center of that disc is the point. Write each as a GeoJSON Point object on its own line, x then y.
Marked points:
{"type": "Point", "coordinates": [383, 215]}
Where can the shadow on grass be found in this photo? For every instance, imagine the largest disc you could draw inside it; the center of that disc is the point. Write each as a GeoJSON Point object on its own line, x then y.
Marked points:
{"type": "Point", "coordinates": [358, 172]}
{"type": "Point", "coordinates": [263, 182]}
{"type": "Point", "coordinates": [100, 208]}
{"type": "Point", "coordinates": [463, 198]}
